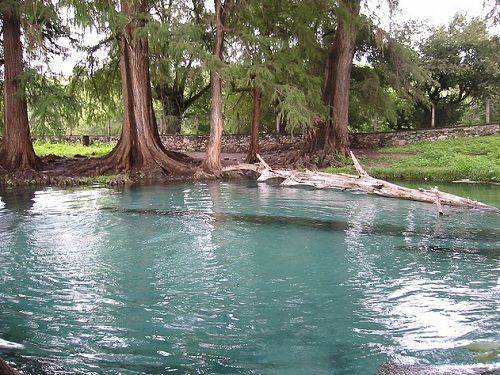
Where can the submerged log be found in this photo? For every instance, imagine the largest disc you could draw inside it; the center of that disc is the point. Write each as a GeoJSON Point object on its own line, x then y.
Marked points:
{"type": "Point", "coordinates": [363, 182]}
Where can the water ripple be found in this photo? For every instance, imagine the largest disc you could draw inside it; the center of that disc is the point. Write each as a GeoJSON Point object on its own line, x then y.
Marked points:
{"type": "Point", "coordinates": [240, 278]}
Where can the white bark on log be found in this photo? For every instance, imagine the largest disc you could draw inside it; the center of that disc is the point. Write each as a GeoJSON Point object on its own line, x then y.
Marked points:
{"type": "Point", "coordinates": [262, 161]}
{"type": "Point", "coordinates": [363, 182]}
{"type": "Point", "coordinates": [438, 200]}
{"type": "Point", "coordinates": [358, 166]}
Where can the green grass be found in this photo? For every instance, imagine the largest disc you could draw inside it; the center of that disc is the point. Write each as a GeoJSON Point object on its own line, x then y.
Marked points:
{"type": "Point", "coordinates": [71, 149]}
{"type": "Point", "coordinates": [474, 158]}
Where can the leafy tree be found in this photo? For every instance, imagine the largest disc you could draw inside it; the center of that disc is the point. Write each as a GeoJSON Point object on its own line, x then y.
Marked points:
{"type": "Point", "coordinates": [330, 137]}
{"type": "Point", "coordinates": [52, 105]}
{"type": "Point", "coordinates": [181, 43]}
{"type": "Point", "coordinates": [253, 37]}
{"type": "Point", "coordinates": [139, 149]}
{"type": "Point", "coordinates": [41, 30]}
{"type": "Point", "coordinates": [386, 89]}
{"type": "Point", "coordinates": [98, 92]}
{"type": "Point", "coordinates": [464, 64]}
{"type": "Point", "coordinates": [278, 64]}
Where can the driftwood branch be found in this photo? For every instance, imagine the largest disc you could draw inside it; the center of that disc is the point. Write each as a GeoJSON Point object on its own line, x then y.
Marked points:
{"type": "Point", "coordinates": [262, 161]}
{"type": "Point", "coordinates": [358, 166]}
{"type": "Point", "coordinates": [363, 182]}
{"type": "Point", "coordinates": [438, 200]}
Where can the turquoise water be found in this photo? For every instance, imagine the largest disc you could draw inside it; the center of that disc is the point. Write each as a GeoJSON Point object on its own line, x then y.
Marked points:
{"type": "Point", "coordinates": [241, 279]}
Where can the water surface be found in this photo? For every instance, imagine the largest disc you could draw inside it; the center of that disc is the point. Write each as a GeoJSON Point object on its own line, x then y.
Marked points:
{"type": "Point", "coordinates": [241, 278]}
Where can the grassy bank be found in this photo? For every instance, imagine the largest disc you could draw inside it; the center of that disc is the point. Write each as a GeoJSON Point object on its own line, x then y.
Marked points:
{"type": "Point", "coordinates": [474, 158]}
{"type": "Point", "coordinates": [72, 149]}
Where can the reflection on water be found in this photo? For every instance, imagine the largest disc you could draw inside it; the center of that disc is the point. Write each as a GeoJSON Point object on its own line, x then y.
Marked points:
{"type": "Point", "coordinates": [240, 278]}
{"type": "Point", "coordinates": [486, 193]}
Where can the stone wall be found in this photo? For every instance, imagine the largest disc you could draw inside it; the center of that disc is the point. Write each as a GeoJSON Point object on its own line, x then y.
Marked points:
{"type": "Point", "coordinates": [239, 143]}
{"type": "Point", "coordinates": [372, 140]}
{"type": "Point", "coordinates": [187, 143]}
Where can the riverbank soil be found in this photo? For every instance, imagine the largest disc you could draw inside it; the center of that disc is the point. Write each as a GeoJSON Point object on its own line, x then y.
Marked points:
{"type": "Point", "coordinates": [64, 170]}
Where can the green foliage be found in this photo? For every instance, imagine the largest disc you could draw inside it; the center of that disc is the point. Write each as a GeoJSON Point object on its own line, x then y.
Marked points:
{"type": "Point", "coordinates": [279, 47]}
{"type": "Point", "coordinates": [455, 67]}
{"type": "Point", "coordinates": [293, 107]}
{"type": "Point", "coordinates": [465, 67]}
{"type": "Point", "coordinates": [475, 112]}
{"type": "Point", "coordinates": [180, 58]}
{"type": "Point", "coordinates": [53, 107]}
{"type": "Point", "coordinates": [385, 91]}
{"type": "Point", "coordinates": [95, 180]}
{"type": "Point", "coordinates": [372, 105]}
{"type": "Point", "coordinates": [99, 95]}
{"type": "Point", "coordinates": [280, 53]}
{"type": "Point", "coordinates": [71, 149]}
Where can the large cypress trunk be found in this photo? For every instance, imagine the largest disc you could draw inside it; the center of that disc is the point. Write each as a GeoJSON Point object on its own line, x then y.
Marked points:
{"type": "Point", "coordinates": [139, 148]}
{"type": "Point", "coordinates": [16, 151]}
{"type": "Point", "coordinates": [212, 162]}
{"type": "Point", "coordinates": [331, 137]}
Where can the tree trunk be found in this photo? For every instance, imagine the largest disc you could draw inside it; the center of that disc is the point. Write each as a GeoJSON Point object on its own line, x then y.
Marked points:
{"type": "Point", "coordinates": [487, 110]}
{"type": "Point", "coordinates": [331, 137]}
{"type": "Point", "coordinates": [212, 162]}
{"type": "Point", "coordinates": [433, 115]}
{"type": "Point", "coordinates": [172, 102]}
{"type": "Point", "coordinates": [254, 136]}
{"type": "Point", "coordinates": [139, 148]}
{"type": "Point", "coordinates": [16, 151]}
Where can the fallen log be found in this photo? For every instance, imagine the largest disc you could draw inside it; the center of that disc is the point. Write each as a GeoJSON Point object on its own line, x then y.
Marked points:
{"type": "Point", "coordinates": [363, 182]}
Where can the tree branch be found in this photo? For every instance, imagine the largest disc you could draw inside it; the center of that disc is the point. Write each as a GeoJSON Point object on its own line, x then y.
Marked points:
{"type": "Point", "coordinates": [101, 43]}
{"type": "Point", "coordinates": [196, 96]}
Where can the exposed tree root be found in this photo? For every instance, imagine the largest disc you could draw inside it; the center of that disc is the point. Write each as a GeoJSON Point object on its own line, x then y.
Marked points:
{"type": "Point", "coordinates": [73, 171]}
{"type": "Point", "coordinates": [6, 369]}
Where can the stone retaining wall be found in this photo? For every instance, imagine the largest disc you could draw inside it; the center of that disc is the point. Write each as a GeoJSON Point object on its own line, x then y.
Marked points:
{"type": "Point", "coordinates": [186, 143]}
{"type": "Point", "coordinates": [372, 140]}
{"type": "Point", "coordinates": [239, 143]}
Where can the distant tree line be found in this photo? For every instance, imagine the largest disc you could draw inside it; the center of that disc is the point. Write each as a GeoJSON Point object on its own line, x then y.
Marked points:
{"type": "Point", "coordinates": [319, 68]}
